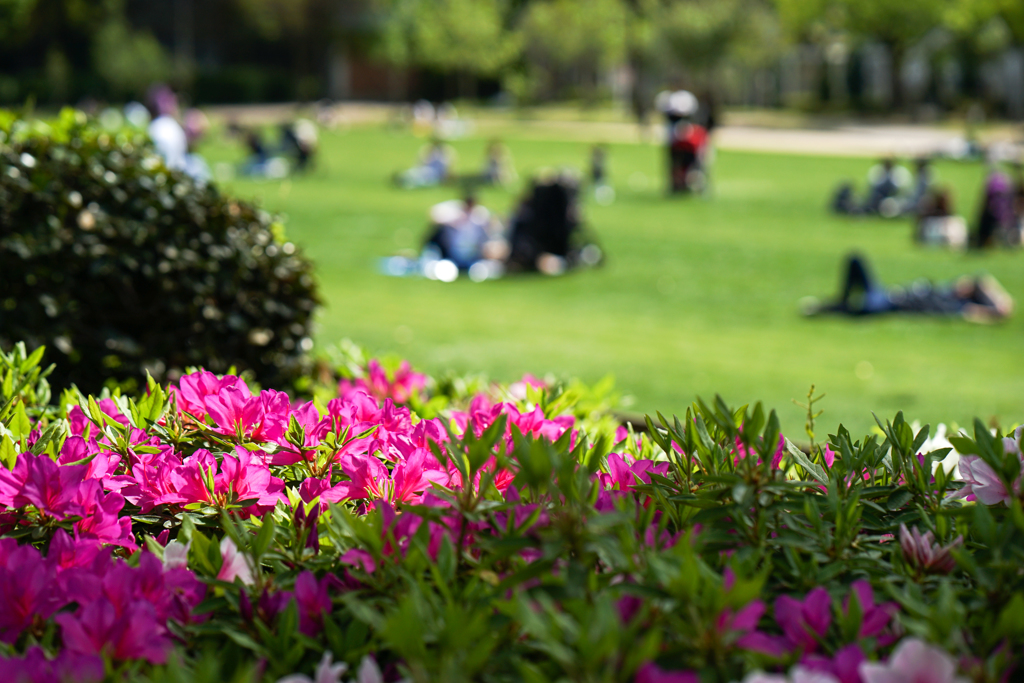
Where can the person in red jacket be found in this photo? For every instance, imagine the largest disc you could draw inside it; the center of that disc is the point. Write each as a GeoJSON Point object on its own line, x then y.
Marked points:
{"type": "Point", "coordinates": [687, 141]}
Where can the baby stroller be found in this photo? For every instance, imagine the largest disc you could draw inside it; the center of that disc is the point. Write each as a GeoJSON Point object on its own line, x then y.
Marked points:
{"type": "Point", "coordinates": [687, 142]}
{"type": "Point", "coordinates": [547, 234]}
{"type": "Point", "coordinates": [686, 155]}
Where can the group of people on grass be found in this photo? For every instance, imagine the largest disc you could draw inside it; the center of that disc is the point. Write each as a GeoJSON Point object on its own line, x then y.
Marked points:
{"type": "Point", "coordinates": [436, 166]}
{"type": "Point", "coordinates": [892, 192]}
{"type": "Point", "coordinates": [175, 136]}
{"type": "Point", "coordinates": [544, 234]}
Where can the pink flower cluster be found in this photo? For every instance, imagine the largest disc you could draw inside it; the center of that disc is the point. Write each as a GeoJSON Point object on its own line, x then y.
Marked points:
{"type": "Point", "coordinates": [400, 387]}
{"type": "Point", "coordinates": [39, 486]}
{"type": "Point", "coordinates": [121, 611]}
{"type": "Point", "coordinates": [981, 482]}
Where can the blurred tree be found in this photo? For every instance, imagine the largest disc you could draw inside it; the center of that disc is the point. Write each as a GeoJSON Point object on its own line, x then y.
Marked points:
{"type": "Point", "coordinates": [699, 34]}
{"type": "Point", "coordinates": [573, 42]}
{"type": "Point", "coordinates": [643, 55]}
{"type": "Point", "coordinates": [989, 26]}
{"type": "Point", "coordinates": [128, 60]}
{"type": "Point", "coordinates": [898, 24]}
{"type": "Point", "coordinates": [464, 36]}
{"type": "Point", "coordinates": [467, 38]}
{"type": "Point", "coordinates": [1012, 11]}
{"type": "Point", "coordinates": [307, 27]}
{"type": "Point", "coordinates": [810, 21]}
{"type": "Point", "coordinates": [14, 18]}
{"type": "Point", "coordinates": [699, 38]}
{"type": "Point", "coordinates": [274, 18]}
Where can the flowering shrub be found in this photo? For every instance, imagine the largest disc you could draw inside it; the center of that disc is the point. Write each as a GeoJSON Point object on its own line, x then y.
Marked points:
{"type": "Point", "coordinates": [125, 267]}
{"type": "Point", "coordinates": [205, 532]}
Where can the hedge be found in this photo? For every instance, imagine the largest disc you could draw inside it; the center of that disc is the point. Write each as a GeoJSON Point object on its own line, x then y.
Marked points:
{"type": "Point", "coordinates": [126, 267]}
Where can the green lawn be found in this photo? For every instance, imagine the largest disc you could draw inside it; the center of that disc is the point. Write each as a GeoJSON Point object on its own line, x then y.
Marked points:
{"type": "Point", "coordinates": [698, 296]}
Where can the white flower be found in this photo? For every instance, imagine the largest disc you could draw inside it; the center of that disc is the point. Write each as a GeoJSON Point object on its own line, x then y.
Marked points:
{"type": "Point", "coordinates": [939, 440]}
{"type": "Point", "coordinates": [797, 674]}
{"type": "Point", "coordinates": [326, 672]}
{"type": "Point", "coordinates": [369, 672]}
{"type": "Point", "coordinates": [176, 555]}
{"type": "Point", "coordinates": [235, 565]}
{"type": "Point", "coordinates": [914, 661]}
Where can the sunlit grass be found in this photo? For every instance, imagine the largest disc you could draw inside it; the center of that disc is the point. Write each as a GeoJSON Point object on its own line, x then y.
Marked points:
{"type": "Point", "coordinates": [698, 295]}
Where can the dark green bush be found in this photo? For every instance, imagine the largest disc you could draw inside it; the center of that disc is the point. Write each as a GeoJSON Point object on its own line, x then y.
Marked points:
{"type": "Point", "coordinates": [126, 267]}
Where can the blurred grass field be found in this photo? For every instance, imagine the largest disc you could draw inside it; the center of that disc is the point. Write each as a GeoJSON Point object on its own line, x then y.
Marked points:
{"type": "Point", "coordinates": [698, 296]}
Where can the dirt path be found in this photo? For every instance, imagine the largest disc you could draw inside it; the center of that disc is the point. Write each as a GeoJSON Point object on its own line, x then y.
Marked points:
{"type": "Point", "coordinates": [863, 140]}
{"type": "Point", "coordinates": [874, 140]}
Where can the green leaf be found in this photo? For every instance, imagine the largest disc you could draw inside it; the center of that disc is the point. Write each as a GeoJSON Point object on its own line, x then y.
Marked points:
{"type": "Point", "coordinates": [19, 425]}
{"type": "Point", "coordinates": [963, 445]}
{"type": "Point", "coordinates": [898, 499]}
{"type": "Point", "coordinates": [8, 453]}
{"type": "Point", "coordinates": [801, 459]}
{"type": "Point", "coordinates": [263, 538]}
{"type": "Point", "coordinates": [244, 640]}
{"type": "Point", "coordinates": [54, 430]}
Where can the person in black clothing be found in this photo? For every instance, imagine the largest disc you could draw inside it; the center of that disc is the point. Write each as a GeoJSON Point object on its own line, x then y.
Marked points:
{"type": "Point", "coordinates": [546, 231]}
{"type": "Point", "coordinates": [978, 299]}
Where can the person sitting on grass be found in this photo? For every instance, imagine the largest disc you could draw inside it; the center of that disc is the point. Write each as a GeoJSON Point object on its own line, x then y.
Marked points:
{"type": "Point", "coordinates": [996, 219]}
{"type": "Point", "coordinates": [435, 167]}
{"type": "Point", "coordinates": [886, 181]}
{"type": "Point", "coordinates": [464, 233]}
{"type": "Point", "coordinates": [498, 169]}
{"type": "Point", "coordinates": [937, 223]}
{"type": "Point", "coordinates": [978, 299]}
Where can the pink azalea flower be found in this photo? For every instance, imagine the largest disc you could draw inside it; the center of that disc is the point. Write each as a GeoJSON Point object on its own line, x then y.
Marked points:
{"type": "Point", "coordinates": [804, 621]}
{"type": "Point", "coordinates": [162, 479]}
{"type": "Point", "coordinates": [39, 481]}
{"type": "Point", "coordinates": [371, 479]}
{"type": "Point", "coordinates": [100, 516]}
{"type": "Point", "coordinates": [742, 452]}
{"type": "Point", "coordinates": [234, 564]}
{"type": "Point", "coordinates": [482, 414]}
{"type": "Point", "coordinates": [233, 408]}
{"type": "Point", "coordinates": [99, 629]}
{"type": "Point", "coordinates": [623, 475]}
{"type": "Point", "coordinates": [652, 673]}
{"type": "Point", "coordinates": [79, 421]}
{"type": "Point", "coordinates": [404, 385]}
{"type": "Point", "coordinates": [193, 390]}
{"type": "Point", "coordinates": [66, 667]}
{"type": "Point", "coordinates": [982, 483]}
{"type": "Point", "coordinates": [76, 449]}
{"type": "Point", "coordinates": [743, 626]}
{"type": "Point", "coordinates": [313, 601]}
{"type": "Point", "coordinates": [247, 476]}
{"type": "Point", "coordinates": [875, 617]}
{"type": "Point", "coordinates": [66, 552]}
{"type": "Point", "coordinates": [359, 558]}
{"type": "Point", "coordinates": [922, 552]}
{"type": "Point", "coordinates": [844, 666]}
{"type": "Point", "coordinates": [26, 590]}
{"type": "Point", "coordinates": [913, 661]}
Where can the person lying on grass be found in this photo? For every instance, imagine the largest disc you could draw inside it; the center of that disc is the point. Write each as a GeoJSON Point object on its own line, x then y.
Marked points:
{"type": "Point", "coordinates": [978, 299]}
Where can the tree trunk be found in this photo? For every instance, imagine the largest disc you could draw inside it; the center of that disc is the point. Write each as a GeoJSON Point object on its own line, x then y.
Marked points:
{"type": "Point", "coordinates": [466, 85]}
{"type": "Point", "coordinates": [896, 54]}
